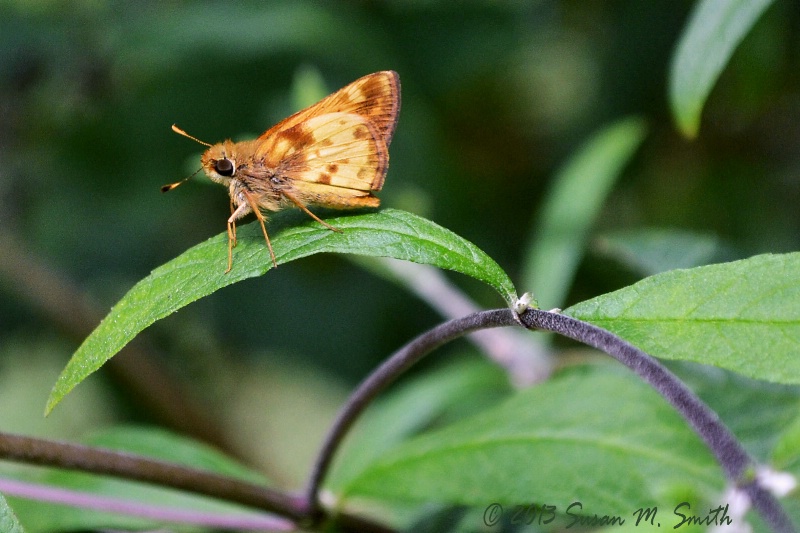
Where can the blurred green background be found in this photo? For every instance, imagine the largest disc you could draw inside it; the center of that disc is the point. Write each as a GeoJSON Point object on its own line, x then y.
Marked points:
{"type": "Point", "coordinates": [496, 96]}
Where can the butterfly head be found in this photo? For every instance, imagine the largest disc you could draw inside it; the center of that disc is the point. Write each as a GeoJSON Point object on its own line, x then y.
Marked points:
{"type": "Point", "coordinates": [219, 162]}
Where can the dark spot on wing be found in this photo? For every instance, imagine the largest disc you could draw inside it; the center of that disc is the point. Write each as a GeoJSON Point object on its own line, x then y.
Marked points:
{"type": "Point", "coordinates": [299, 136]}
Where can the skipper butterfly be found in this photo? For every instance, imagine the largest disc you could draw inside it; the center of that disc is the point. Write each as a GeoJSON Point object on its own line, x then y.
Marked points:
{"type": "Point", "coordinates": [333, 154]}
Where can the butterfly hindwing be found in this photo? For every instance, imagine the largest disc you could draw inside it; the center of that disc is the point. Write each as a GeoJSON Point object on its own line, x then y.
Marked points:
{"type": "Point", "coordinates": [337, 149]}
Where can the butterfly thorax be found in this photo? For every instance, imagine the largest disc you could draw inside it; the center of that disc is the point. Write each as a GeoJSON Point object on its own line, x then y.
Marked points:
{"type": "Point", "coordinates": [239, 167]}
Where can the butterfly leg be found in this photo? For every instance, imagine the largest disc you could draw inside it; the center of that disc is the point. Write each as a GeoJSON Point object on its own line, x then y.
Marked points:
{"type": "Point", "coordinates": [237, 213]}
{"type": "Point", "coordinates": [231, 243]}
{"type": "Point", "coordinates": [299, 204]}
{"type": "Point", "coordinates": [260, 217]}
{"type": "Point", "coordinates": [233, 236]}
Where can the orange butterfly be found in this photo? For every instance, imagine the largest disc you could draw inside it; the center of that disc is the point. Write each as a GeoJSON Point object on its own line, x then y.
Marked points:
{"type": "Point", "coordinates": [332, 154]}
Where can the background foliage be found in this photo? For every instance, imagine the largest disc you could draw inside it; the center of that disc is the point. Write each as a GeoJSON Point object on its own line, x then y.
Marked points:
{"type": "Point", "coordinates": [496, 97]}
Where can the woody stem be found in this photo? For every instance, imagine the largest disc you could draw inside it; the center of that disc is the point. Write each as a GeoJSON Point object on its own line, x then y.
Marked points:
{"type": "Point", "coordinates": [731, 455]}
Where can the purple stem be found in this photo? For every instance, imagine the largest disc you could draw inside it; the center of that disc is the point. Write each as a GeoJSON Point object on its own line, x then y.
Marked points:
{"type": "Point", "coordinates": [86, 500]}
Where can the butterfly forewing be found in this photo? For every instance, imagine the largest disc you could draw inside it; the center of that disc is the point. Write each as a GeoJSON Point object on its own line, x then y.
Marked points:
{"type": "Point", "coordinates": [376, 97]}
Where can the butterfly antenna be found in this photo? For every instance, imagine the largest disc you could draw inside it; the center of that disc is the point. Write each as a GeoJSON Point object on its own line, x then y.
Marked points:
{"type": "Point", "coordinates": [179, 131]}
{"type": "Point", "coordinates": [168, 187]}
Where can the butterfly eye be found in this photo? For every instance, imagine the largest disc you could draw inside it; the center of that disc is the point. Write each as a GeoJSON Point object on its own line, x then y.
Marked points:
{"type": "Point", "coordinates": [224, 167]}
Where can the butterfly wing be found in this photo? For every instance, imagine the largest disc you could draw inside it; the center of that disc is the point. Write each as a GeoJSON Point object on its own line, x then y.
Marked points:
{"type": "Point", "coordinates": [336, 149]}
{"type": "Point", "coordinates": [375, 97]}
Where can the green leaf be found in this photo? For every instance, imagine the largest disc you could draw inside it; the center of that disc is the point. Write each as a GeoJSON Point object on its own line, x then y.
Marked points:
{"type": "Point", "coordinates": [650, 251]}
{"type": "Point", "coordinates": [715, 30]}
{"type": "Point", "coordinates": [571, 208]}
{"type": "Point", "coordinates": [200, 271]}
{"type": "Point", "coordinates": [8, 520]}
{"type": "Point", "coordinates": [743, 316]}
{"type": "Point", "coordinates": [594, 434]}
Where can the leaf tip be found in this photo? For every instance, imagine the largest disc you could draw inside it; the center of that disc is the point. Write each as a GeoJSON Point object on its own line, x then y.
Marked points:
{"type": "Point", "coordinates": [51, 404]}
{"type": "Point", "coordinates": [56, 395]}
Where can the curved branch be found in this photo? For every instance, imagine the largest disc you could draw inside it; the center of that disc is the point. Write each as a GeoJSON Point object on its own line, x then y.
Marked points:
{"type": "Point", "coordinates": [383, 376]}
{"type": "Point", "coordinates": [738, 466]}
{"type": "Point", "coordinates": [99, 461]}
{"type": "Point", "coordinates": [70, 456]}
{"type": "Point", "coordinates": [736, 463]}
